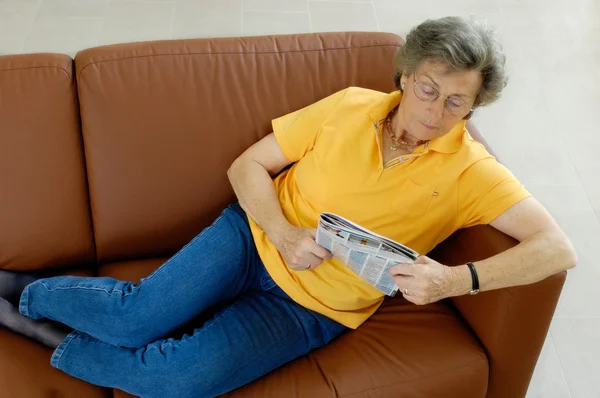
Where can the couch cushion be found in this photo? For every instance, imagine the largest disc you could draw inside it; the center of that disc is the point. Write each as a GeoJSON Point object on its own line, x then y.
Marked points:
{"type": "Point", "coordinates": [44, 212]}
{"type": "Point", "coordinates": [25, 372]}
{"type": "Point", "coordinates": [25, 369]}
{"type": "Point", "coordinates": [163, 121]}
{"type": "Point", "coordinates": [403, 350]}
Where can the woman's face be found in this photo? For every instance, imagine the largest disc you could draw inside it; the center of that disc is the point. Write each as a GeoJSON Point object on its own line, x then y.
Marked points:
{"type": "Point", "coordinates": [425, 120]}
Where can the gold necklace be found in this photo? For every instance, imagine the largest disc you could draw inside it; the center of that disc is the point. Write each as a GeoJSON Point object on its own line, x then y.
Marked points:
{"type": "Point", "coordinates": [395, 141]}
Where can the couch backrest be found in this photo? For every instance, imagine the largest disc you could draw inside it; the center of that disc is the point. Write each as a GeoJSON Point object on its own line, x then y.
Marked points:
{"type": "Point", "coordinates": [163, 121]}
{"type": "Point", "coordinates": [44, 212]}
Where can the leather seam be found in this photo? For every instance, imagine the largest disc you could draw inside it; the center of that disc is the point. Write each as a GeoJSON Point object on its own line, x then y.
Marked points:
{"type": "Point", "coordinates": [504, 322]}
{"type": "Point", "coordinates": [327, 380]}
{"type": "Point", "coordinates": [392, 44]}
{"type": "Point", "coordinates": [418, 379]}
{"type": "Point", "coordinates": [38, 67]}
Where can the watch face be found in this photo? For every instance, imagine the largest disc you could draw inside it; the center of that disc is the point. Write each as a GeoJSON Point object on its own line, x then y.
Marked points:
{"type": "Point", "coordinates": [474, 292]}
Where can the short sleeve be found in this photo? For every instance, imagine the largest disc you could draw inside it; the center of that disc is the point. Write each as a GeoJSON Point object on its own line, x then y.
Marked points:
{"type": "Point", "coordinates": [485, 190]}
{"type": "Point", "coordinates": [297, 132]}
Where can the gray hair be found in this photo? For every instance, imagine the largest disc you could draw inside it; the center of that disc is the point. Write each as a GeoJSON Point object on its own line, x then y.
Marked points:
{"type": "Point", "coordinates": [461, 45]}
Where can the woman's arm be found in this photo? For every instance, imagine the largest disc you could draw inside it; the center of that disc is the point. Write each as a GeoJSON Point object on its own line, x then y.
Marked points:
{"type": "Point", "coordinates": [544, 250]}
{"type": "Point", "coordinates": [251, 176]}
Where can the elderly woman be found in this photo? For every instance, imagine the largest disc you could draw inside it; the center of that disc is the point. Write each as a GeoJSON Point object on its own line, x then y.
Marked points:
{"type": "Point", "coordinates": [400, 164]}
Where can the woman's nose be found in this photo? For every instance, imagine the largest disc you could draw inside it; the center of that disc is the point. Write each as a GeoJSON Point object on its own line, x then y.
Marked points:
{"type": "Point", "coordinates": [436, 110]}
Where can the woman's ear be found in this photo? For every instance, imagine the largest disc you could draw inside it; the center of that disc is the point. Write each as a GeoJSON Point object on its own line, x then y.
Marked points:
{"type": "Point", "coordinates": [403, 79]}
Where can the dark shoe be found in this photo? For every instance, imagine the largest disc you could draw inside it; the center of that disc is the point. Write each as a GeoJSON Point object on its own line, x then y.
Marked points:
{"type": "Point", "coordinates": [44, 331]}
{"type": "Point", "coordinates": [12, 284]}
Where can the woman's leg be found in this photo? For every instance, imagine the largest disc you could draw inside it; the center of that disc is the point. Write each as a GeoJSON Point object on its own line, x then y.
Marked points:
{"type": "Point", "coordinates": [12, 284]}
{"type": "Point", "coordinates": [44, 331]}
{"type": "Point", "coordinates": [215, 266]}
{"type": "Point", "coordinates": [259, 332]}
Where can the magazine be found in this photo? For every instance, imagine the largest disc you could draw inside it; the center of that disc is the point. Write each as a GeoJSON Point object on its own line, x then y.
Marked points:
{"type": "Point", "coordinates": [367, 254]}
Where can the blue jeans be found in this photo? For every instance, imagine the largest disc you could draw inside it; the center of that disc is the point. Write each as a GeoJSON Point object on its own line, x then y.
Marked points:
{"type": "Point", "coordinates": [120, 326]}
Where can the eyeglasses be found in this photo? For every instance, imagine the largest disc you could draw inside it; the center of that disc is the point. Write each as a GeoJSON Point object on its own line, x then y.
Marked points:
{"type": "Point", "coordinates": [454, 105]}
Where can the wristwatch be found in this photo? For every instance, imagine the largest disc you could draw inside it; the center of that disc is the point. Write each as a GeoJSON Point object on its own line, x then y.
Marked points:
{"type": "Point", "coordinates": [475, 278]}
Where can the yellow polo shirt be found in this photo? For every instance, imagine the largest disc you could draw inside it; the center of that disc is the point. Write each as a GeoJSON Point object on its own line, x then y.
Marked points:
{"type": "Point", "coordinates": [419, 199]}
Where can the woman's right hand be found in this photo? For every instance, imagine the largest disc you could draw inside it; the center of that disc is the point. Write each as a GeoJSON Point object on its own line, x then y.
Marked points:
{"type": "Point", "coordinates": [299, 249]}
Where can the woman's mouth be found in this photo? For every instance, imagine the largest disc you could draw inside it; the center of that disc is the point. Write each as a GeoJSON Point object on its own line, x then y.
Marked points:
{"type": "Point", "coordinates": [428, 126]}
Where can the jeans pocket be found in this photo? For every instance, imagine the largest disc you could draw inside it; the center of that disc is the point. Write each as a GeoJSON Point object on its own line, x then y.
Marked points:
{"type": "Point", "coordinates": [265, 280]}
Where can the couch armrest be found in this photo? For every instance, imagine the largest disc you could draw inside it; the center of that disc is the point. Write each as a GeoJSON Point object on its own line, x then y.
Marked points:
{"type": "Point", "coordinates": [478, 137]}
{"type": "Point", "coordinates": [510, 323]}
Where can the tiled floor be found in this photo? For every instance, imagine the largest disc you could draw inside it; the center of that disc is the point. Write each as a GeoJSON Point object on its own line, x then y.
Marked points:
{"type": "Point", "coordinates": [545, 127]}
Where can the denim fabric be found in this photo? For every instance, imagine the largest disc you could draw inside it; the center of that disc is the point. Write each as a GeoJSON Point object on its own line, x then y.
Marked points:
{"type": "Point", "coordinates": [120, 326]}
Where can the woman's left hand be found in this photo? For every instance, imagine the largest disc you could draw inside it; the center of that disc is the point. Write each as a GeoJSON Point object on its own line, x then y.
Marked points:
{"type": "Point", "coordinates": [426, 281]}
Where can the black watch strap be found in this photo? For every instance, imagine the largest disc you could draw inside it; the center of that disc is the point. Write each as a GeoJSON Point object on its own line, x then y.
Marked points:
{"type": "Point", "coordinates": [475, 278]}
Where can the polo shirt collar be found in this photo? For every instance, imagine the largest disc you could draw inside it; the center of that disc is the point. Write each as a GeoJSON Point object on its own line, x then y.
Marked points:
{"type": "Point", "coordinates": [448, 143]}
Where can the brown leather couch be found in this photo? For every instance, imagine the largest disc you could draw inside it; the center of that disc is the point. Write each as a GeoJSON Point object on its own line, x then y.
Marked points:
{"type": "Point", "coordinates": [112, 162]}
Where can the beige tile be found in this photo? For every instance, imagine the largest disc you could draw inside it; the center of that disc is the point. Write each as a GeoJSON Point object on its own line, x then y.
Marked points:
{"type": "Point", "coordinates": [569, 205]}
{"type": "Point", "coordinates": [258, 23]}
{"type": "Point", "coordinates": [588, 175]}
{"type": "Point", "coordinates": [217, 9]}
{"type": "Point", "coordinates": [577, 343]}
{"type": "Point", "coordinates": [215, 18]}
{"type": "Point", "coordinates": [548, 380]}
{"type": "Point", "coordinates": [338, 17]}
{"type": "Point", "coordinates": [128, 21]}
{"type": "Point", "coordinates": [530, 149]}
{"type": "Point", "coordinates": [340, 1]}
{"type": "Point", "coordinates": [187, 27]}
{"type": "Point", "coordinates": [557, 18]}
{"type": "Point", "coordinates": [581, 287]}
{"type": "Point", "coordinates": [437, 9]}
{"type": "Point", "coordinates": [573, 102]}
{"type": "Point", "coordinates": [394, 17]}
{"type": "Point", "coordinates": [534, 14]}
{"type": "Point", "coordinates": [476, 9]}
{"type": "Point", "coordinates": [15, 19]}
{"type": "Point", "coordinates": [592, 49]}
{"type": "Point", "coordinates": [520, 129]}
{"type": "Point", "coordinates": [582, 141]}
{"type": "Point", "coordinates": [539, 29]}
{"type": "Point", "coordinates": [580, 78]}
{"type": "Point", "coordinates": [588, 17]}
{"type": "Point", "coordinates": [539, 164]}
{"type": "Point", "coordinates": [63, 35]}
{"type": "Point", "coordinates": [73, 8]}
{"type": "Point", "coordinates": [276, 5]}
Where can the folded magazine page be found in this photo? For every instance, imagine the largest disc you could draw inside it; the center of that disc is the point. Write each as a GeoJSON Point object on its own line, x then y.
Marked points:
{"type": "Point", "coordinates": [367, 254]}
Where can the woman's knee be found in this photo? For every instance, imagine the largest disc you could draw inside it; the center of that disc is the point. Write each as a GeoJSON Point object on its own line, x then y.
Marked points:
{"type": "Point", "coordinates": [129, 341]}
{"type": "Point", "coordinates": [132, 329]}
{"type": "Point", "coordinates": [165, 378]}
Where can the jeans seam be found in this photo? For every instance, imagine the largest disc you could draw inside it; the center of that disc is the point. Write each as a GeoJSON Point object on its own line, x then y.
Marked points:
{"type": "Point", "coordinates": [270, 347]}
{"type": "Point", "coordinates": [81, 287]}
{"type": "Point", "coordinates": [269, 284]}
{"type": "Point", "coordinates": [24, 303]}
{"type": "Point", "coordinates": [57, 356]}
{"type": "Point", "coordinates": [149, 276]}
{"type": "Point", "coordinates": [188, 244]}
{"type": "Point", "coordinates": [201, 331]}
